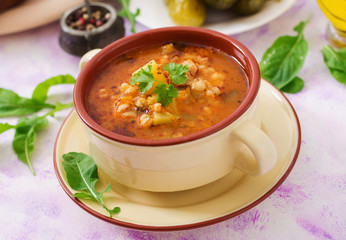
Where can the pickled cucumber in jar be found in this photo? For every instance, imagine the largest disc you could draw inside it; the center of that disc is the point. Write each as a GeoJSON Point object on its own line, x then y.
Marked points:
{"type": "Point", "coordinates": [220, 4]}
{"type": "Point", "coordinates": [247, 7]}
{"type": "Point", "coordinates": [187, 12]}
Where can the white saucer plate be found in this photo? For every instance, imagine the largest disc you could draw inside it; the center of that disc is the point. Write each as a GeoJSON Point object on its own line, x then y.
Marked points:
{"type": "Point", "coordinates": [206, 205]}
{"type": "Point", "coordinates": [154, 14]}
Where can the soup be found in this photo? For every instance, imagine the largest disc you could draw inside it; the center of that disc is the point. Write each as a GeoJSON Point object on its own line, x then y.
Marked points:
{"type": "Point", "coordinates": [215, 85]}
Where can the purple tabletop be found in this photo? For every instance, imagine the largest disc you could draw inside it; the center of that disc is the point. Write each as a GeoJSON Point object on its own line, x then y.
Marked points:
{"type": "Point", "coordinates": [310, 204]}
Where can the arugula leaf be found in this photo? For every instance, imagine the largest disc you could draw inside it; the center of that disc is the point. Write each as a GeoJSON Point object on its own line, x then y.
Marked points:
{"type": "Point", "coordinates": [25, 137]}
{"type": "Point", "coordinates": [125, 12]}
{"type": "Point", "coordinates": [13, 105]}
{"type": "Point", "coordinates": [81, 173]}
{"type": "Point", "coordinates": [283, 60]}
{"type": "Point", "coordinates": [58, 107]}
{"type": "Point", "coordinates": [336, 62]}
{"type": "Point", "coordinates": [145, 79]}
{"type": "Point", "coordinates": [5, 126]}
{"type": "Point", "coordinates": [25, 134]}
{"type": "Point", "coordinates": [294, 86]}
{"type": "Point", "coordinates": [165, 93]}
{"type": "Point", "coordinates": [41, 90]}
{"type": "Point", "coordinates": [177, 72]}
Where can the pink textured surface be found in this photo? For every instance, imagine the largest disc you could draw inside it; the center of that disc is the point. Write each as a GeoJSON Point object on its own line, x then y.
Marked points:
{"type": "Point", "coordinates": [308, 205]}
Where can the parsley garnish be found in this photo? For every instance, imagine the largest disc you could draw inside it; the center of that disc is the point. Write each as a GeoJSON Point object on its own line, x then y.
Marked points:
{"type": "Point", "coordinates": [177, 72]}
{"type": "Point", "coordinates": [165, 92]}
{"type": "Point", "coordinates": [144, 78]}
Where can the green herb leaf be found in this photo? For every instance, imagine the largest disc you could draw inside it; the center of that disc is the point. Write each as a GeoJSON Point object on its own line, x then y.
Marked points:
{"type": "Point", "coordinates": [13, 105]}
{"type": "Point", "coordinates": [177, 72]}
{"type": "Point", "coordinates": [81, 174]}
{"type": "Point", "coordinates": [283, 60]}
{"type": "Point", "coordinates": [25, 137]}
{"type": "Point", "coordinates": [25, 134]}
{"type": "Point", "coordinates": [58, 107]}
{"type": "Point", "coordinates": [294, 86]}
{"type": "Point", "coordinates": [145, 79]}
{"type": "Point", "coordinates": [336, 62]}
{"type": "Point", "coordinates": [125, 12]}
{"type": "Point", "coordinates": [165, 93]}
{"type": "Point", "coordinates": [5, 126]}
{"type": "Point", "coordinates": [40, 92]}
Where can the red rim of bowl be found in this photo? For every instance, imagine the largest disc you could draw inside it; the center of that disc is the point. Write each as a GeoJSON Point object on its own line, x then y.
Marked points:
{"type": "Point", "coordinates": [185, 226]}
{"type": "Point", "coordinates": [160, 36]}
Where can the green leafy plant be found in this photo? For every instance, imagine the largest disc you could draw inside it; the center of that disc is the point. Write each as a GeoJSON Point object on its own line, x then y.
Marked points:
{"type": "Point", "coordinates": [165, 92]}
{"type": "Point", "coordinates": [41, 91]}
{"type": "Point", "coordinates": [13, 105]}
{"type": "Point", "coordinates": [81, 173]}
{"type": "Point", "coordinates": [6, 126]}
{"type": "Point", "coordinates": [25, 137]}
{"type": "Point", "coordinates": [26, 128]}
{"type": "Point", "coordinates": [336, 62]}
{"type": "Point", "coordinates": [282, 61]}
{"type": "Point", "coordinates": [126, 13]}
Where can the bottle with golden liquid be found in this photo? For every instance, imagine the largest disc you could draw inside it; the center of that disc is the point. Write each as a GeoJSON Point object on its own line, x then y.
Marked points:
{"type": "Point", "coordinates": [335, 11]}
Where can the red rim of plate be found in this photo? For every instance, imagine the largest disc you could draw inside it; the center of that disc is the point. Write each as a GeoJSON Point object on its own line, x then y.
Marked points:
{"type": "Point", "coordinates": [184, 226]}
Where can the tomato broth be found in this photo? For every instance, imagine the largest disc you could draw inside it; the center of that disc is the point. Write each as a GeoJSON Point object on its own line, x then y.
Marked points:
{"type": "Point", "coordinates": [216, 84]}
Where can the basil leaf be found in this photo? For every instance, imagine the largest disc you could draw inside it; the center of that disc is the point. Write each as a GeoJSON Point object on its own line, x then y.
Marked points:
{"type": "Point", "coordinates": [25, 137]}
{"type": "Point", "coordinates": [13, 105]}
{"type": "Point", "coordinates": [283, 60]}
{"type": "Point", "coordinates": [294, 86]}
{"type": "Point", "coordinates": [336, 62]}
{"type": "Point", "coordinates": [40, 92]}
{"type": "Point", "coordinates": [81, 174]}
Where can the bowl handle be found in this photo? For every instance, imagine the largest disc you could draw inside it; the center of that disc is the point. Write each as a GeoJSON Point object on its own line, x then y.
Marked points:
{"type": "Point", "coordinates": [261, 146]}
{"type": "Point", "coordinates": [87, 56]}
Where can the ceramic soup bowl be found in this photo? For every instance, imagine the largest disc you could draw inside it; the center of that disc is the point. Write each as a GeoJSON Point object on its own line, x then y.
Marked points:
{"type": "Point", "coordinates": [186, 162]}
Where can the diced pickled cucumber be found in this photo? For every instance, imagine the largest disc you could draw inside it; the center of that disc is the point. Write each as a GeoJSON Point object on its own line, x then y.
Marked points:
{"type": "Point", "coordinates": [187, 12]}
{"type": "Point", "coordinates": [162, 118]}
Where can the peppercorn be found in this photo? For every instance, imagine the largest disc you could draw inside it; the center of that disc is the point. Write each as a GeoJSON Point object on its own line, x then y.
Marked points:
{"type": "Point", "coordinates": [81, 20]}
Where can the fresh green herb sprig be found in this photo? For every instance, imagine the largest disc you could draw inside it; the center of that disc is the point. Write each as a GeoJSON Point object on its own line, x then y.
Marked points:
{"type": "Point", "coordinates": [165, 92]}
{"type": "Point", "coordinates": [282, 61]}
{"type": "Point", "coordinates": [11, 104]}
{"type": "Point", "coordinates": [336, 62]}
{"type": "Point", "coordinates": [81, 173]}
{"type": "Point", "coordinates": [126, 13]}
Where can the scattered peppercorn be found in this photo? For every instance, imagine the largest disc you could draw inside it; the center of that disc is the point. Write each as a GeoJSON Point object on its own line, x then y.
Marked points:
{"type": "Point", "coordinates": [80, 19]}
